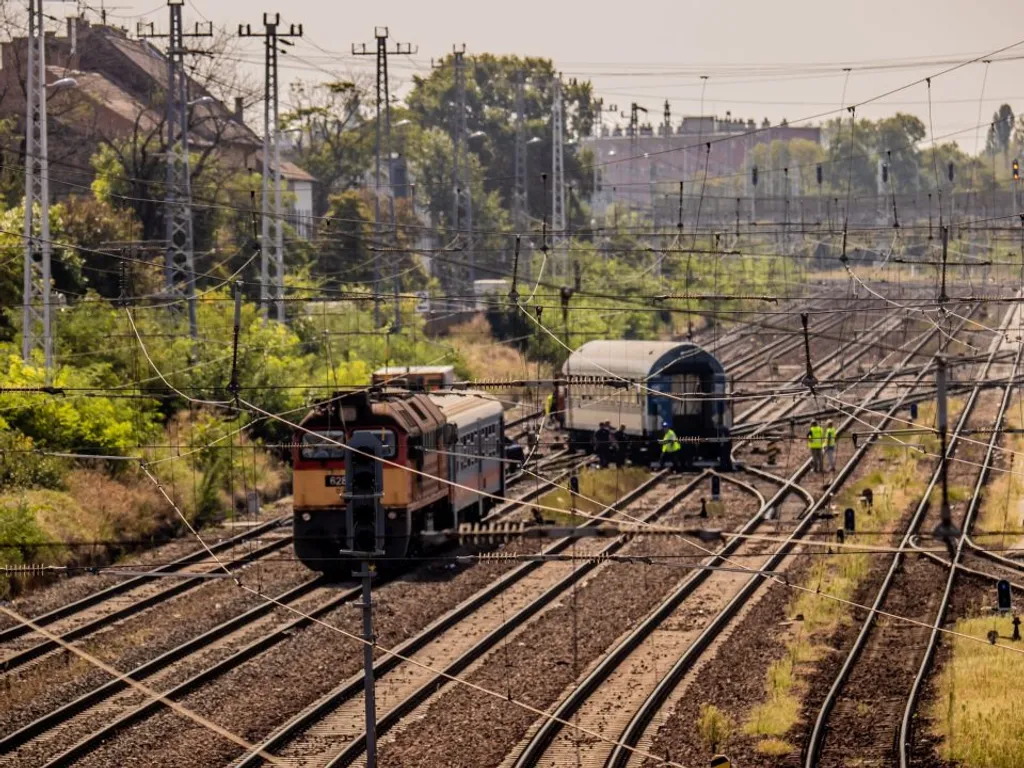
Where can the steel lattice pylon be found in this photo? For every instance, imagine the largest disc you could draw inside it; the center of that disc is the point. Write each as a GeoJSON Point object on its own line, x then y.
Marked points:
{"type": "Point", "coordinates": [462, 176]}
{"type": "Point", "coordinates": [36, 328]}
{"type": "Point", "coordinates": [558, 221]}
{"type": "Point", "coordinates": [520, 208]}
{"type": "Point", "coordinates": [272, 234]}
{"type": "Point", "coordinates": [179, 263]}
{"type": "Point", "coordinates": [272, 230]}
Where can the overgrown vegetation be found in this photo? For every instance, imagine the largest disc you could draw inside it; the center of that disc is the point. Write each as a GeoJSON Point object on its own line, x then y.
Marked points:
{"type": "Point", "coordinates": [599, 488]}
{"type": "Point", "coordinates": [714, 726]}
{"type": "Point", "coordinates": [976, 710]}
{"type": "Point", "coordinates": [1000, 522]}
{"type": "Point", "coordinates": [815, 613]}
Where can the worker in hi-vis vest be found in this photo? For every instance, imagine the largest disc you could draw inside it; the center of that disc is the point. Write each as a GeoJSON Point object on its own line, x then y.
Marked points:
{"type": "Point", "coordinates": [830, 445]}
{"type": "Point", "coordinates": [670, 447]}
{"type": "Point", "coordinates": [549, 407]}
{"type": "Point", "coordinates": [815, 444]}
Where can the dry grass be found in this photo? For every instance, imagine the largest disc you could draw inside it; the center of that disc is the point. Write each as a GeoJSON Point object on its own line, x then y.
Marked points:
{"type": "Point", "coordinates": [1001, 517]}
{"type": "Point", "coordinates": [813, 614]}
{"type": "Point", "coordinates": [94, 508]}
{"type": "Point", "coordinates": [211, 483]}
{"type": "Point", "coordinates": [775, 747]}
{"type": "Point", "coordinates": [598, 488]}
{"type": "Point", "coordinates": [487, 359]}
{"type": "Point", "coordinates": [979, 701]}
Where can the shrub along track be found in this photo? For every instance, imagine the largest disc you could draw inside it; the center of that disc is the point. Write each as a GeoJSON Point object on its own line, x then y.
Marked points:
{"type": "Point", "coordinates": [865, 714]}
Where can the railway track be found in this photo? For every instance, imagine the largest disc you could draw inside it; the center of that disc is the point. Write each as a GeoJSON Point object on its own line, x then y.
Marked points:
{"type": "Point", "coordinates": [318, 599]}
{"type": "Point", "coordinates": [20, 646]}
{"type": "Point", "coordinates": [644, 719]}
{"type": "Point", "coordinates": [907, 722]}
{"type": "Point", "coordinates": [880, 665]}
{"type": "Point", "coordinates": [324, 731]}
{"type": "Point", "coordinates": [602, 701]}
{"type": "Point", "coordinates": [234, 641]}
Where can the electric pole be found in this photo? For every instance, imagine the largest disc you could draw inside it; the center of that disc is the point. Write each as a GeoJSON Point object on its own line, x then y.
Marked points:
{"type": "Point", "coordinates": [36, 328]}
{"type": "Point", "coordinates": [383, 145]}
{"type": "Point", "coordinates": [558, 225]}
{"type": "Point", "coordinates": [634, 139]}
{"type": "Point", "coordinates": [179, 261]}
{"type": "Point", "coordinates": [272, 231]}
{"type": "Point", "coordinates": [520, 198]}
{"type": "Point", "coordinates": [461, 172]}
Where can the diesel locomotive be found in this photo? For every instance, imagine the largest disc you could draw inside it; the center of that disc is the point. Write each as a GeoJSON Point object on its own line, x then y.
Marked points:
{"type": "Point", "coordinates": [443, 457]}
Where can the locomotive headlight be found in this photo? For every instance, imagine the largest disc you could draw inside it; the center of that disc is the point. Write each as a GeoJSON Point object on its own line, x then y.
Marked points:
{"type": "Point", "coordinates": [306, 517]}
{"type": "Point", "coordinates": [392, 515]}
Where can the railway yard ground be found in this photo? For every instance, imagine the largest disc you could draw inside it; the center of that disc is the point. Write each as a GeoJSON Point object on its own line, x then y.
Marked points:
{"type": "Point", "coordinates": [745, 614]}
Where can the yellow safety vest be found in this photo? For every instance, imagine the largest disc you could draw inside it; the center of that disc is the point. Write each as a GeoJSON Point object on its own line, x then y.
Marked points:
{"type": "Point", "coordinates": [669, 443]}
{"type": "Point", "coordinates": [549, 405]}
{"type": "Point", "coordinates": [830, 437]}
{"type": "Point", "coordinates": [815, 437]}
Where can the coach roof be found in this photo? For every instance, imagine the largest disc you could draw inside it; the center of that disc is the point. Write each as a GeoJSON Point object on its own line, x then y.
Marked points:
{"type": "Point", "coordinates": [636, 360]}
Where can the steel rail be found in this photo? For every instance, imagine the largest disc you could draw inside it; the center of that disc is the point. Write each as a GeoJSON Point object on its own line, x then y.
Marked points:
{"type": "Point", "coordinates": [814, 745]}
{"type": "Point", "coordinates": [353, 687]}
{"type": "Point", "coordinates": [174, 566]}
{"type": "Point", "coordinates": [652, 704]}
{"type": "Point", "coordinates": [549, 730]}
{"type": "Point", "coordinates": [906, 724]}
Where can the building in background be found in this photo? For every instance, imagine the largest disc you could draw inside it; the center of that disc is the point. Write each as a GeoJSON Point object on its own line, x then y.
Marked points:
{"type": "Point", "coordinates": [640, 172]}
{"type": "Point", "coordinates": [119, 98]}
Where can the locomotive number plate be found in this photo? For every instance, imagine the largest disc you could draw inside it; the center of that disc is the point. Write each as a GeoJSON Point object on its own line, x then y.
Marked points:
{"type": "Point", "coordinates": [334, 481]}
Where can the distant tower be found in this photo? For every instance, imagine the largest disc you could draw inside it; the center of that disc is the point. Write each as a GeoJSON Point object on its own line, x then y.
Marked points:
{"type": "Point", "coordinates": [520, 208]}
{"type": "Point", "coordinates": [558, 220]}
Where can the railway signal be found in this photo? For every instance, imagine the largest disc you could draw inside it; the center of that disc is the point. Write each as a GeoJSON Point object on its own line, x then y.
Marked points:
{"type": "Point", "coordinates": [849, 520]}
{"type": "Point", "coordinates": [364, 488]}
{"type": "Point", "coordinates": [1004, 596]}
{"type": "Point", "coordinates": [1016, 170]}
{"type": "Point", "coordinates": [364, 531]}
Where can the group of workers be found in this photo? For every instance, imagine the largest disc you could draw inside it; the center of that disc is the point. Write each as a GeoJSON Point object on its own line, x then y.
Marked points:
{"type": "Point", "coordinates": [666, 450]}
{"type": "Point", "coordinates": [821, 442]}
{"type": "Point", "coordinates": [610, 446]}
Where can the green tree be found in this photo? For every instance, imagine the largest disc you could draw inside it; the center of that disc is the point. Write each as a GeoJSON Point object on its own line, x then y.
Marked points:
{"type": "Point", "coordinates": [332, 136]}
{"type": "Point", "coordinates": [490, 110]}
{"type": "Point", "coordinates": [850, 157]}
{"type": "Point", "coordinates": [895, 142]}
{"type": "Point", "coordinates": [1000, 131]}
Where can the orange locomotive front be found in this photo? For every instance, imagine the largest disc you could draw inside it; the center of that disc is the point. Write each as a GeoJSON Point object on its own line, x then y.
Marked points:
{"type": "Point", "coordinates": [439, 452]}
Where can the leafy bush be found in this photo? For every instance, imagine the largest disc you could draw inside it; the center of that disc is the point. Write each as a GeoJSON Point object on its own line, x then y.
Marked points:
{"type": "Point", "coordinates": [21, 466]}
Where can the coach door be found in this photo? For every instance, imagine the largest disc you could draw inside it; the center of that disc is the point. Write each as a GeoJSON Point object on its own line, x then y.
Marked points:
{"type": "Point", "coordinates": [687, 405]}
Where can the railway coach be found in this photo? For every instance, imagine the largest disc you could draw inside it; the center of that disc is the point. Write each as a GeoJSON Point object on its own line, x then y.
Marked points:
{"type": "Point", "coordinates": [443, 460]}
{"type": "Point", "coordinates": [645, 384]}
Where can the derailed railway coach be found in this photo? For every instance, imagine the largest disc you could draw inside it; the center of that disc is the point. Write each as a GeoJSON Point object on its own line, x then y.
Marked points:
{"type": "Point", "coordinates": [643, 385]}
{"type": "Point", "coordinates": [442, 457]}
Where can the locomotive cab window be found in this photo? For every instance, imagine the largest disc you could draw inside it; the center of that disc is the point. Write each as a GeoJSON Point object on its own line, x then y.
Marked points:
{"type": "Point", "coordinates": [323, 446]}
{"type": "Point", "coordinates": [387, 439]}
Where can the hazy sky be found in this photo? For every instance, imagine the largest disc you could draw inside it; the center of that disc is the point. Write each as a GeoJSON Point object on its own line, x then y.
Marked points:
{"type": "Point", "coordinates": [762, 58]}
